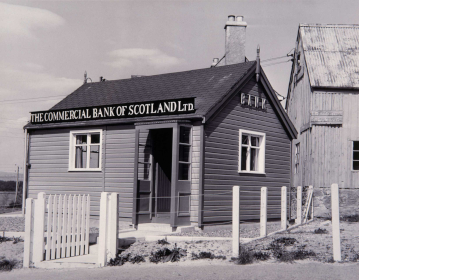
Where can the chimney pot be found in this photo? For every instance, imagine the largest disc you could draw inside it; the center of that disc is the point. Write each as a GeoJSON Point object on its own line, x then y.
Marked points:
{"type": "Point", "coordinates": [239, 18]}
{"type": "Point", "coordinates": [215, 61]}
{"type": "Point", "coordinates": [231, 18]}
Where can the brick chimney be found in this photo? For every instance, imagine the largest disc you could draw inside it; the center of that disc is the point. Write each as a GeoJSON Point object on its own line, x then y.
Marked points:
{"type": "Point", "coordinates": [235, 40]}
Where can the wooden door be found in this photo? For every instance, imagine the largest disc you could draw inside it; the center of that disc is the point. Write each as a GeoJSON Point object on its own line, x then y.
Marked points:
{"type": "Point", "coordinates": [181, 197]}
{"type": "Point", "coordinates": [144, 176]}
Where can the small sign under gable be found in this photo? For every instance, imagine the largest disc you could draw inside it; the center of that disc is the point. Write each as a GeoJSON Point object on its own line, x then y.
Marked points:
{"type": "Point", "coordinates": [253, 101]}
{"type": "Point", "coordinates": [130, 110]}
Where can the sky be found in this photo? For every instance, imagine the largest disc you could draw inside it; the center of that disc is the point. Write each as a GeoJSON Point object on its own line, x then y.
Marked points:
{"type": "Point", "coordinates": [47, 46]}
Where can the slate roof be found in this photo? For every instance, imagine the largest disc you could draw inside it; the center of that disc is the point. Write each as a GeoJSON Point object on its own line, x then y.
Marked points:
{"type": "Point", "coordinates": [332, 54]}
{"type": "Point", "coordinates": [208, 85]}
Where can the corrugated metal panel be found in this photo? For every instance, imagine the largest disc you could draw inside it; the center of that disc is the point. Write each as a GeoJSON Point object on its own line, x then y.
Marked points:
{"type": "Point", "coordinates": [332, 55]}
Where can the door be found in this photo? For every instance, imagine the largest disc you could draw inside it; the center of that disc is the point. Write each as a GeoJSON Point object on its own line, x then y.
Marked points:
{"type": "Point", "coordinates": [181, 200]}
{"type": "Point", "coordinates": [144, 173]}
{"type": "Point", "coordinates": [162, 143]}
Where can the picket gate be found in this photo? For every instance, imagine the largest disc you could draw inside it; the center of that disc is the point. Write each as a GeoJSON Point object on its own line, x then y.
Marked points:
{"type": "Point", "coordinates": [56, 226]}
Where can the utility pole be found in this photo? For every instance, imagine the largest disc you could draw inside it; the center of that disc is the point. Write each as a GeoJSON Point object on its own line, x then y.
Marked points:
{"type": "Point", "coordinates": [17, 186]}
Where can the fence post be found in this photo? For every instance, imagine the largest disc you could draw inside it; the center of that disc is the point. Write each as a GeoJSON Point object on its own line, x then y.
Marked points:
{"type": "Point", "coordinates": [283, 208]}
{"type": "Point", "coordinates": [112, 225]}
{"type": "Point", "coordinates": [235, 221]}
{"type": "Point", "coordinates": [102, 229]}
{"type": "Point", "coordinates": [38, 229]}
{"type": "Point", "coordinates": [263, 211]}
{"type": "Point", "coordinates": [299, 205]}
{"type": "Point", "coordinates": [28, 232]}
{"type": "Point", "coordinates": [335, 222]}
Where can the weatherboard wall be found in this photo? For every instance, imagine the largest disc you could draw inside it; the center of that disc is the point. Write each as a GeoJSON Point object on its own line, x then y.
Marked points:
{"type": "Point", "coordinates": [49, 159]}
{"type": "Point", "coordinates": [222, 156]}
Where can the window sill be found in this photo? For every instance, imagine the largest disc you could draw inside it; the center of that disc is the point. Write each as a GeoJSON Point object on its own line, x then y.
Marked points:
{"type": "Point", "coordinates": [252, 172]}
{"type": "Point", "coordinates": [85, 170]}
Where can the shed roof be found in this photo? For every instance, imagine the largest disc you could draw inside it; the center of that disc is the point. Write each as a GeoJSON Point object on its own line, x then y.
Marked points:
{"type": "Point", "coordinates": [207, 85]}
{"type": "Point", "coordinates": [332, 54]}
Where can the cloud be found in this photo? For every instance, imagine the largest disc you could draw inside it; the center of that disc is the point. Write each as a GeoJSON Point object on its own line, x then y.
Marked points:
{"type": "Point", "coordinates": [21, 21]}
{"type": "Point", "coordinates": [19, 80]}
{"type": "Point", "coordinates": [136, 56]}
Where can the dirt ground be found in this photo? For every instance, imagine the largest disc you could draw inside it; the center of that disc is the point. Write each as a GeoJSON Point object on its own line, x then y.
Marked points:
{"type": "Point", "coordinates": [310, 238]}
{"type": "Point", "coordinates": [11, 251]}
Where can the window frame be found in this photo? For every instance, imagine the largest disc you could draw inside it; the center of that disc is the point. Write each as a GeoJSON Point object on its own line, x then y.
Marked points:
{"type": "Point", "coordinates": [261, 155]}
{"type": "Point", "coordinates": [190, 144]}
{"type": "Point", "coordinates": [297, 158]}
{"type": "Point", "coordinates": [72, 152]}
{"type": "Point", "coordinates": [353, 150]}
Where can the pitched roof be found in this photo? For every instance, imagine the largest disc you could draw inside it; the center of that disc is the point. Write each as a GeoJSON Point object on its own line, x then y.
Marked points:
{"type": "Point", "coordinates": [207, 85]}
{"type": "Point", "coordinates": [332, 54]}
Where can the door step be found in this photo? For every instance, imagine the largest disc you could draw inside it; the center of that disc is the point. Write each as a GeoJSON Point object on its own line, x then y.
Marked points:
{"type": "Point", "coordinates": [159, 227]}
{"type": "Point", "coordinates": [156, 227]}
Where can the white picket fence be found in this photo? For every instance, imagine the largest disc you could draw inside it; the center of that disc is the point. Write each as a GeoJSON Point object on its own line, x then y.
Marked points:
{"type": "Point", "coordinates": [56, 226]}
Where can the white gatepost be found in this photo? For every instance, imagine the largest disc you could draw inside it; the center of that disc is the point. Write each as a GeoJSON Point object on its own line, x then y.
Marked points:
{"type": "Point", "coordinates": [108, 227]}
{"type": "Point", "coordinates": [39, 223]}
{"type": "Point", "coordinates": [113, 226]}
{"type": "Point", "coordinates": [263, 212]}
{"type": "Point", "coordinates": [335, 222]}
{"type": "Point", "coordinates": [299, 205]}
{"type": "Point", "coordinates": [235, 221]}
{"type": "Point", "coordinates": [29, 205]}
{"type": "Point", "coordinates": [102, 233]}
{"type": "Point", "coordinates": [283, 208]}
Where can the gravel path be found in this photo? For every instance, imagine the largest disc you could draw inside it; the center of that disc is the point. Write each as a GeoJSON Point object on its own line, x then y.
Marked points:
{"type": "Point", "coordinates": [247, 230]}
{"type": "Point", "coordinates": [12, 224]}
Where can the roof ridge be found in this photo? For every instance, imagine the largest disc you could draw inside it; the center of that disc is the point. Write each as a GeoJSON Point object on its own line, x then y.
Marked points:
{"type": "Point", "coordinates": [329, 25]}
{"type": "Point", "coordinates": [171, 73]}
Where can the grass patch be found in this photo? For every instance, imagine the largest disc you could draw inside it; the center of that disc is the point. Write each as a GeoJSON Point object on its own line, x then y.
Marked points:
{"type": "Point", "coordinates": [7, 265]}
{"type": "Point", "coordinates": [283, 241]}
{"type": "Point", "coordinates": [13, 239]}
{"type": "Point", "coordinates": [166, 255]}
{"type": "Point", "coordinates": [207, 255]}
{"type": "Point", "coordinates": [162, 241]}
{"type": "Point", "coordinates": [350, 218]}
{"type": "Point", "coordinates": [320, 231]}
{"type": "Point", "coordinates": [121, 260]}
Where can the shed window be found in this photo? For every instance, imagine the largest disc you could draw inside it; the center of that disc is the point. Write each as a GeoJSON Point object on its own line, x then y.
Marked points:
{"type": "Point", "coordinates": [251, 151]}
{"type": "Point", "coordinates": [355, 161]}
{"type": "Point", "coordinates": [297, 158]}
{"type": "Point", "coordinates": [85, 150]}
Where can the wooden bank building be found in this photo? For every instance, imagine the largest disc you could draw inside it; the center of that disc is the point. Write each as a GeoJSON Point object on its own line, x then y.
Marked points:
{"type": "Point", "coordinates": [172, 145]}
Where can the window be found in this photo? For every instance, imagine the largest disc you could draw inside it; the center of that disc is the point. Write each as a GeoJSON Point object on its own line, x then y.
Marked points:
{"type": "Point", "coordinates": [355, 161]}
{"type": "Point", "coordinates": [252, 147]}
{"type": "Point", "coordinates": [297, 158]}
{"type": "Point", "coordinates": [184, 153]}
{"type": "Point", "coordinates": [85, 150]}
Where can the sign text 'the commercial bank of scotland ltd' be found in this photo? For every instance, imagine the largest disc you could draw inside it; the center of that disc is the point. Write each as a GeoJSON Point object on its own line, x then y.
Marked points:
{"type": "Point", "coordinates": [130, 110]}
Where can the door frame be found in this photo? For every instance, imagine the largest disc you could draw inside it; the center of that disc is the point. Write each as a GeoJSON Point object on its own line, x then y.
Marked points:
{"type": "Point", "coordinates": [175, 125]}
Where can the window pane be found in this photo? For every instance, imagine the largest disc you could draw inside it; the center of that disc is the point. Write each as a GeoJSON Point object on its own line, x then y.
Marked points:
{"type": "Point", "coordinates": [356, 145]}
{"type": "Point", "coordinates": [95, 156]}
{"type": "Point", "coordinates": [95, 138]}
{"type": "Point", "coordinates": [81, 139]}
{"type": "Point", "coordinates": [243, 158]}
{"type": "Point", "coordinates": [253, 159]}
{"type": "Point", "coordinates": [183, 172]}
{"type": "Point", "coordinates": [355, 155]}
{"type": "Point", "coordinates": [184, 153]}
{"type": "Point", "coordinates": [356, 165]}
{"type": "Point", "coordinates": [255, 141]}
{"type": "Point", "coordinates": [245, 139]}
{"type": "Point", "coordinates": [80, 156]}
{"type": "Point", "coordinates": [185, 134]}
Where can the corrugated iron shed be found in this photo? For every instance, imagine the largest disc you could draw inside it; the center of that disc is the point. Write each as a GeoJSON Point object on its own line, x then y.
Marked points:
{"type": "Point", "coordinates": [332, 54]}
